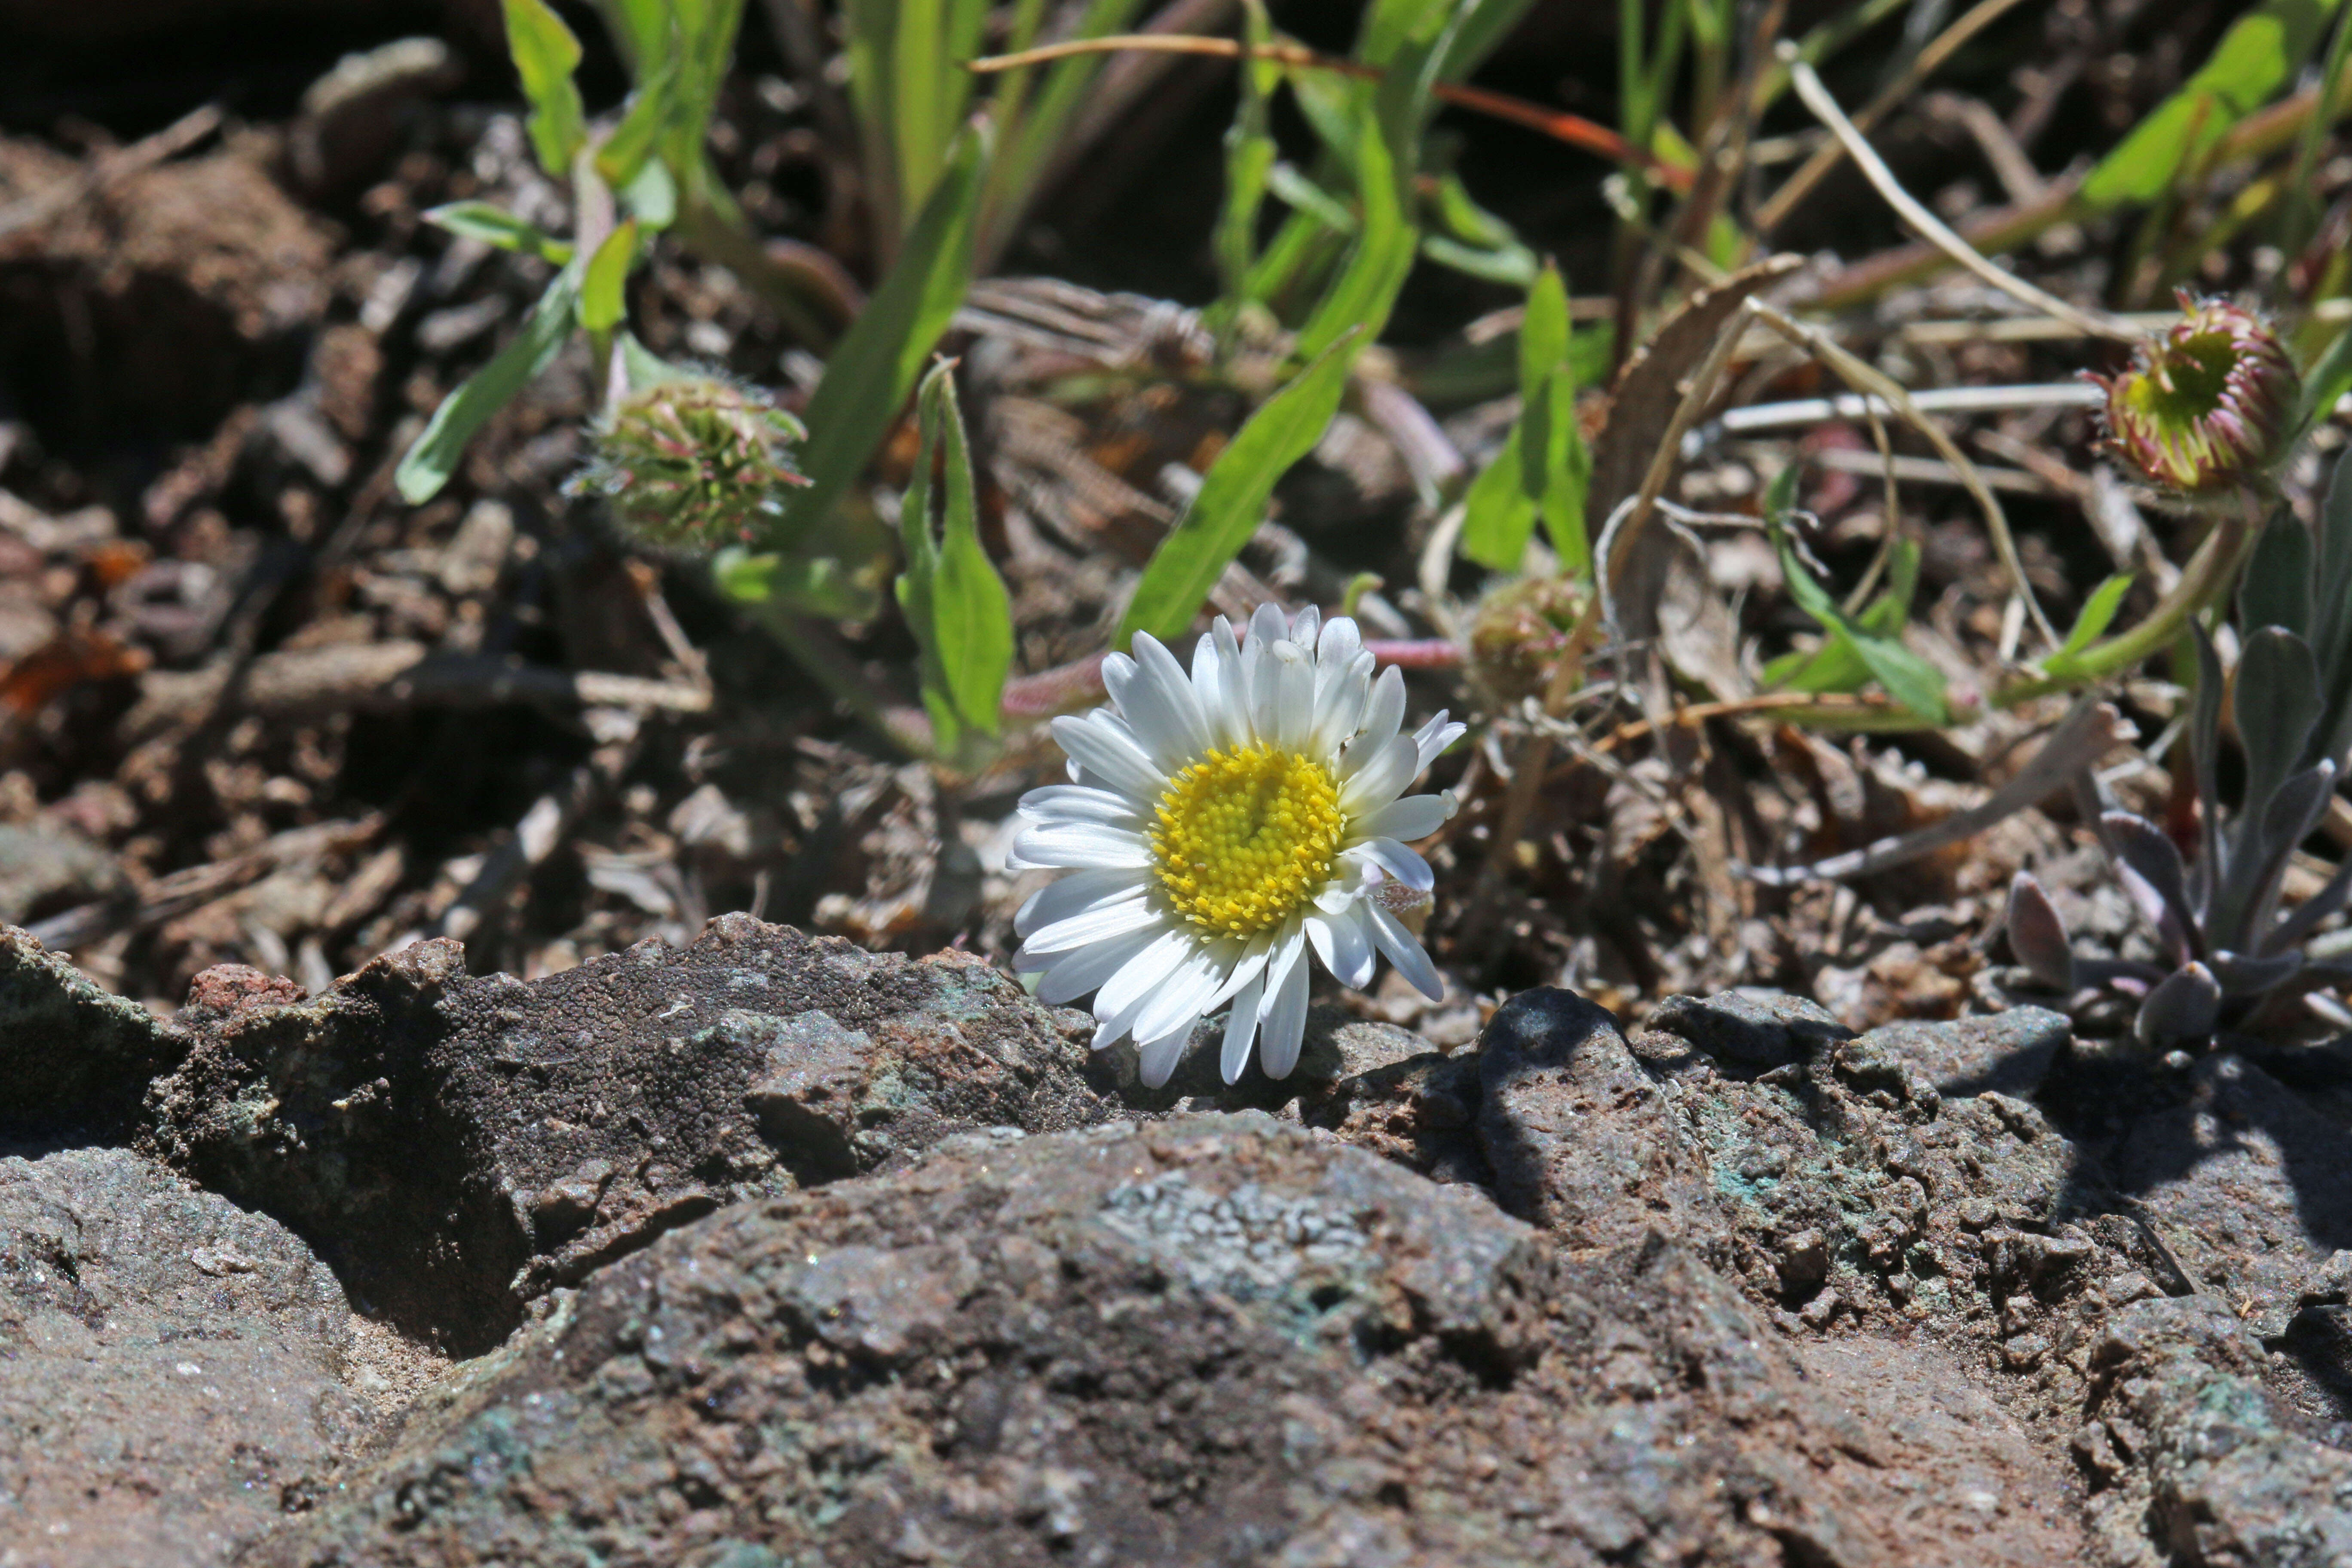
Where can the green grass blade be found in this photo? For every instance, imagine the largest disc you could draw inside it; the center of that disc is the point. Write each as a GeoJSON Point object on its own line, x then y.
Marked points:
{"type": "Point", "coordinates": [955, 603]}
{"type": "Point", "coordinates": [1909, 678]}
{"type": "Point", "coordinates": [1498, 516]}
{"type": "Point", "coordinates": [495, 226]}
{"type": "Point", "coordinates": [874, 368]}
{"type": "Point", "coordinates": [545, 54]}
{"type": "Point", "coordinates": [429, 463]}
{"type": "Point", "coordinates": [2260, 53]}
{"type": "Point", "coordinates": [632, 143]}
{"type": "Point", "coordinates": [603, 288]}
{"type": "Point", "coordinates": [1232, 499]}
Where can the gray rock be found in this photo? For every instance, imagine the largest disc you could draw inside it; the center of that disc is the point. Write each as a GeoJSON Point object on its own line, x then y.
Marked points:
{"type": "Point", "coordinates": [2011, 1051]}
{"type": "Point", "coordinates": [44, 869]}
{"type": "Point", "coordinates": [1421, 1112]}
{"type": "Point", "coordinates": [1211, 1340]}
{"type": "Point", "coordinates": [2249, 1185]}
{"type": "Point", "coordinates": [1751, 1027]}
{"type": "Point", "coordinates": [172, 1388]}
{"type": "Point", "coordinates": [72, 1057]}
{"type": "Point", "coordinates": [1580, 1140]}
{"type": "Point", "coordinates": [464, 1145]}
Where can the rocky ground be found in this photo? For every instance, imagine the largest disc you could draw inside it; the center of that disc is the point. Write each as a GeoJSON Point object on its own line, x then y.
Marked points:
{"type": "Point", "coordinates": [771, 1251]}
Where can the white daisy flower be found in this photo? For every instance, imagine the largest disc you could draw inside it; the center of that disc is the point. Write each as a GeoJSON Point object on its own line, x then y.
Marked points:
{"type": "Point", "coordinates": [1217, 826]}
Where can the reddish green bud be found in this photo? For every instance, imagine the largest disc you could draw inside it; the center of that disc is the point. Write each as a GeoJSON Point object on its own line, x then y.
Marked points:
{"type": "Point", "coordinates": [2206, 405]}
{"type": "Point", "coordinates": [693, 464]}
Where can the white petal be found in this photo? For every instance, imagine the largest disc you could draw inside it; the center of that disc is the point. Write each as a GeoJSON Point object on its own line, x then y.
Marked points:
{"type": "Point", "coordinates": [1381, 778]}
{"type": "Point", "coordinates": [1168, 731]}
{"type": "Point", "coordinates": [1160, 1057]}
{"type": "Point", "coordinates": [1306, 626]}
{"type": "Point", "coordinates": [1108, 753]}
{"type": "Point", "coordinates": [1097, 924]}
{"type": "Point", "coordinates": [1405, 952]}
{"type": "Point", "coordinates": [1287, 702]}
{"type": "Point", "coordinates": [1267, 623]}
{"type": "Point", "coordinates": [1143, 973]}
{"type": "Point", "coordinates": [1415, 817]}
{"type": "Point", "coordinates": [1075, 802]}
{"type": "Point", "coordinates": [1339, 644]}
{"type": "Point", "coordinates": [1241, 1030]}
{"type": "Point", "coordinates": [1224, 698]}
{"type": "Point", "coordinates": [1436, 735]}
{"type": "Point", "coordinates": [1286, 1025]}
{"type": "Point", "coordinates": [1396, 859]}
{"type": "Point", "coordinates": [1080, 845]}
{"type": "Point", "coordinates": [1341, 692]}
{"type": "Point", "coordinates": [1183, 1001]}
{"type": "Point", "coordinates": [1381, 719]}
{"type": "Point", "coordinates": [1289, 952]}
{"type": "Point", "coordinates": [1242, 963]}
{"type": "Point", "coordinates": [1344, 946]}
{"type": "Point", "coordinates": [1073, 974]}
{"type": "Point", "coordinates": [1175, 687]}
{"type": "Point", "coordinates": [1079, 891]}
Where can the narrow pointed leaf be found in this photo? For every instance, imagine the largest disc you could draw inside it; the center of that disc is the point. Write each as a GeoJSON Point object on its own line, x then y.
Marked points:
{"type": "Point", "coordinates": [545, 54]}
{"type": "Point", "coordinates": [875, 367]}
{"type": "Point", "coordinates": [2149, 867]}
{"type": "Point", "coordinates": [1231, 501]}
{"type": "Point", "coordinates": [956, 603]}
{"type": "Point", "coordinates": [493, 226]}
{"type": "Point", "coordinates": [429, 463]}
{"type": "Point", "coordinates": [603, 291]}
{"type": "Point", "coordinates": [2098, 614]}
{"type": "Point", "coordinates": [2277, 700]}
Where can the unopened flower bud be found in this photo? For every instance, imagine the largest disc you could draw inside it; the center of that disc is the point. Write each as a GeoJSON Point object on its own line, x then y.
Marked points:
{"type": "Point", "coordinates": [1516, 636]}
{"type": "Point", "coordinates": [2206, 405]}
{"type": "Point", "coordinates": [694, 463]}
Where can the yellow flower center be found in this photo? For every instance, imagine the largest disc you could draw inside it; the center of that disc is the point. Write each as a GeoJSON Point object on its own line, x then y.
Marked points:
{"type": "Point", "coordinates": [1246, 837]}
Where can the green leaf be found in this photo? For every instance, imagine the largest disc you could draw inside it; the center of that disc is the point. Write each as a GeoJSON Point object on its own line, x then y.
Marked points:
{"type": "Point", "coordinates": [1303, 195]}
{"type": "Point", "coordinates": [646, 368]}
{"type": "Point", "coordinates": [491, 225]}
{"type": "Point", "coordinates": [874, 368]}
{"type": "Point", "coordinates": [1366, 289]}
{"type": "Point", "coordinates": [1231, 501]}
{"type": "Point", "coordinates": [2257, 56]}
{"type": "Point", "coordinates": [1249, 163]}
{"type": "Point", "coordinates": [1499, 515]}
{"type": "Point", "coordinates": [625, 152]}
{"type": "Point", "coordinates": [652, 196]}
{"type": "Point", "coordinates": [954, 602]}
{"type": "Point", "coordinates": [429, 463]}
{"type": "Point", "coordinates": [1909, 678]}
{"type": "Point", "coordinates": [1556, 465]}
{"type": "Point", "coordinates": [2098, 614]}
{"type": "Point", "coordinates": [603, 291]}
{"type": "Point", "coordinates": [1514, 265]}
{"type": "Point", "coordinates": [812, 586]}
{"type": "Point", "coordinates": [545, 54]}
{"type": "Point", "coordinates": [643, 30]}
{"type": "Point", "coordinates": [2329, 378]}
{"type": "Point", "coordinates": [907, 75]}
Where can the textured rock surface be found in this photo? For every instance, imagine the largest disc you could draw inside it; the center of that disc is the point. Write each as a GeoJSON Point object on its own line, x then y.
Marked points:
{"type": "Point", "coordinates": [72, 1059]}
{"type": "Point", "coordinates": [1579, 1138]}
{"type": "Point", "coordinates": [461, 1145]}
{"type": "Point", "coordinates": [1213, 1339]}
{"type": "Point", "coordinates": [768, 1272]}
{"type": "Point", "coordinates": [171, 1367]}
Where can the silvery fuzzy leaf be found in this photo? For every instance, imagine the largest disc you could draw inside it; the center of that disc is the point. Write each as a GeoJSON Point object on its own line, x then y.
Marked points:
{"type": "Point", "coordinates": [2204, 750]}
{"type": "Point", "coordinates": [2037, 934]}
{"type": "Point", "coordinates": [2295, 810]}
{"type": "Point", "coordinates": [2290, 932]}
{"type": "Point", "coordinates": [2277, 699]}
{"type": "Point", "coordinates": [2149, 867]}
{"type": "Point", "coordinates": [2242, 975]}
{"type": "Point", "coordinates": [2184, 1005]}
{"type": "Point", "coordinates": [2275, 588]}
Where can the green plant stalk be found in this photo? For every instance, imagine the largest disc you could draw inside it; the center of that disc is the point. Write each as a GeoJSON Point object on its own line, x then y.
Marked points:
{"type": "Point", "coordinates": [2208, 579]}
{"type": "Point", "coordinates": [2299, 218]}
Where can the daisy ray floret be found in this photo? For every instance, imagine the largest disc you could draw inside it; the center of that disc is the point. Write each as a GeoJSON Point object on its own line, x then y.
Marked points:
{"type": "Point", "coordinates": [1221, 823]}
